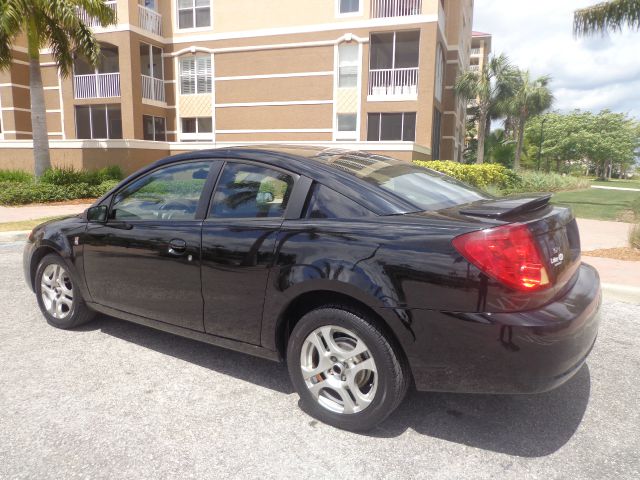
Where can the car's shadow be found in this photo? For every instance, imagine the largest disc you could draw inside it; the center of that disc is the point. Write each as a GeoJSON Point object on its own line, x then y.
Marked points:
{"type": "Point", "coordinates": [522, 425]}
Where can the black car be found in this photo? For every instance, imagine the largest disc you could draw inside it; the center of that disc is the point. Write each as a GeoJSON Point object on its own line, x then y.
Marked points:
{"type": "Point", "coordinates": [366, 274]}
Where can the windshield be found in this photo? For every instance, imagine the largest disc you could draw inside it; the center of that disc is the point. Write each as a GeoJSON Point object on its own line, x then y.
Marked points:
{"type": "Point", "coordinates": [422, 187]}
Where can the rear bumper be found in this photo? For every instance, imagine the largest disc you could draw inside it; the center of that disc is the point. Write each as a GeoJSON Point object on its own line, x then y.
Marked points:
{"type": "Point", "coordinates": [524, 352]}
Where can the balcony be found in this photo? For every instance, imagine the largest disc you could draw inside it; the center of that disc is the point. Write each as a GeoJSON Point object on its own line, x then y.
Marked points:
{"type": "Point", "coordinates": [474, 68]}
{"type": "Point", "coordinates": [153, 88]}
{"type": "Point", "coordinates": [393, 84]}
{"type": "Point", "coordinates": [92, 22]}
{"type": "Point", "coordinates": [475, 52]}
{"type": "Point", "coordinates": [97, 85]}
{"type": "Point", "coordinates": [395, 8]}
{"type": "Point", "coordinates": [149, 20]}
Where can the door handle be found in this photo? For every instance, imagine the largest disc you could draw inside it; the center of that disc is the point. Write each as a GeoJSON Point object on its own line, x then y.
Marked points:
{"type": "Point", "coordinates": [177, 247]}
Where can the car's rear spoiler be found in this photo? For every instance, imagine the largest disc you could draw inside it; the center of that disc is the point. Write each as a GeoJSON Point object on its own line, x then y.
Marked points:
{"type": "Point", "coordinates": [506, 207]}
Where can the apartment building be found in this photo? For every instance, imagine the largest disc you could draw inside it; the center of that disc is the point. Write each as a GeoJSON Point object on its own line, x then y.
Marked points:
{"type": "Point", "coordinates": [178, 75]}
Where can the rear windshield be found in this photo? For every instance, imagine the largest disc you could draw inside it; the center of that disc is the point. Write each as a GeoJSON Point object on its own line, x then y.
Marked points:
{"type": "Point", "coordinates": [422, 187]}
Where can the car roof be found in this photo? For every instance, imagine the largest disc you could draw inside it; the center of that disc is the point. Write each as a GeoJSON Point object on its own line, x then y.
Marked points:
{"type": "Point", "coordinates": [336, 168]}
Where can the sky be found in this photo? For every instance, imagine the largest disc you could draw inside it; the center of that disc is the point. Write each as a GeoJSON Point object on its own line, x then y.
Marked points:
{"type": "Point", "coordinates": [590, 73]}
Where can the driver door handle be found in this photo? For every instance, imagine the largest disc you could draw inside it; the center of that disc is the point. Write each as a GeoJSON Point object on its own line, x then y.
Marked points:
{"type": "Point", "coordinates": [177, 247]}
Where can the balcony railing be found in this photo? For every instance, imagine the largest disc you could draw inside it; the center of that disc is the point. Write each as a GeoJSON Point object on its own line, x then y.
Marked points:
{"type": "Point", "coordinates": [90, 21]}
{"type": "Point", "coordinates": [475, 51]}
{"type": "Point", "coordinates": [474, 68]}
{"type": "Point", "coordinates": [98, 85]}
{"type": "Point", "coordinates": [394, 82]}
{"type": "Point", "coordinates": [149, 20]}
{"type": "Point", "coordinates": [395, 8]}
{"type": "Point", "coordinates": [153, 88]}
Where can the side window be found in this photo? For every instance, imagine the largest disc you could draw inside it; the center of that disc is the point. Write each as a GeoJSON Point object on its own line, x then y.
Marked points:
{"type": "Point", "coordinates": [170, 193]}
{"type": "Point", "coordinates": [327, 203]}
{"type": "Point", "coordinates": [251, 191]}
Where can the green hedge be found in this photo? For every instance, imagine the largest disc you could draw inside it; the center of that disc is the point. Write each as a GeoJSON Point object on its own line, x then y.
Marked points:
{"type": "Point", "coordinates": [498, 179]}
{"type": "Point", "coordinates": [14, 193]}
{"type": "Point", "coordinates": [69, 176]}
{"type": "Point", "coordinates": [15, 176]}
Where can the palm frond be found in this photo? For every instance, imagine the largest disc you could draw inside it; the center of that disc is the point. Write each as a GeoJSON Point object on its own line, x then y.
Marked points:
{"type": "Point", "coordinates": [607, 16]}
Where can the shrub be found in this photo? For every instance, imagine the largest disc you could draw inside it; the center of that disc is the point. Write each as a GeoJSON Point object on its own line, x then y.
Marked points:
{"type": "Point", "coordinates": [15, 176]}
{"type": "Point", "coordinates": [481, 176]}
{"type": "Point", "coordinates": [14, 193]}
{"type": "Point", "coordinates": [70, 176]}
{"type": "Point", "coordinates": [547, 182]}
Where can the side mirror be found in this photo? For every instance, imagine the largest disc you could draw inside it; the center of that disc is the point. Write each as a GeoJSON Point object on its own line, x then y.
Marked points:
{"type": "Point", "coordinates": [98, 214]}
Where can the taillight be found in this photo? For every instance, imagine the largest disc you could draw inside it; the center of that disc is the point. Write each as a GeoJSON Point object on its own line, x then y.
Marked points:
{"type": "Point", "coordinates": [507, 253]}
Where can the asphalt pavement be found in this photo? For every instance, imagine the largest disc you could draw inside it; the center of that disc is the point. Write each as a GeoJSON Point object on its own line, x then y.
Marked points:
{"type": "Point", "coordinates": [117, 400]}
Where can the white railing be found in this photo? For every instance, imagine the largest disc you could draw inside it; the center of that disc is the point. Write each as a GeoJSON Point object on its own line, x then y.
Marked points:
{"type": "Point", "coordinates": [475, 51]}
{"type": "Point", "coordinates": [393, 82]}
{"type": "Point", "coordinates": [149, 20]}
{"type": "Point", "coordinates": [395, 8]}
{"type": "Point", "coordinates": [474, 68]}
{"type": "Point", "coordinates": [153, 88]}
{"type": "Point", "coordinates": [98, 85]}
{"type": "Point", "coordinates": [90, 21]}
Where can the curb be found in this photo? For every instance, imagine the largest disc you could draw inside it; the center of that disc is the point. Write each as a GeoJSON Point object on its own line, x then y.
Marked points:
{"type": "Point", "coordinates": [622, 293]}
{"type": "Point", "coordinates": [15, 236]}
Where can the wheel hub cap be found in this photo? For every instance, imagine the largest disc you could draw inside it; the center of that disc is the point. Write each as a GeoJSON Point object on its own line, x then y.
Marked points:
{"type": "Point", "coordinates": [338, 369]}
{"type": "Point", "coordinates": [57, 291]}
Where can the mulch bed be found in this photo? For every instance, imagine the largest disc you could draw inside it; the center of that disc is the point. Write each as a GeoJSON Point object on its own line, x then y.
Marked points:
{"type": "Point", "coordinates": [624, 253]}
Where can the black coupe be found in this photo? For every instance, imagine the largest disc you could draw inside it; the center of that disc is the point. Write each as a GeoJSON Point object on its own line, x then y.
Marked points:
{"type": "Point", "coordinates": [366, 274]}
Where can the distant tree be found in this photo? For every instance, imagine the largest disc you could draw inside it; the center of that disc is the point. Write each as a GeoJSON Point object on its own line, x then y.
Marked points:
{"type": "Point", "coordinates": [529, 98]}
{"type": "Point", "coordinates": [487, 89]}
{"type": "Point", "coordinates": [55, 24]}
{"type": "Point", "coordinates": [607, 16]}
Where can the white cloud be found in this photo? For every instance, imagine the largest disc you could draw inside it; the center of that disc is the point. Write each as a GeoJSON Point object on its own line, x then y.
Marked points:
{"type": "Point", "coordinates": [590, 73]}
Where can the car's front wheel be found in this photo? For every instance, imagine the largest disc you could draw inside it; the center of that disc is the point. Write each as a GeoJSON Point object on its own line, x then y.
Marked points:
{"type": "Point", "coordinates": [59, 299]}
{"type": "Point", "coordinates": [347, 372]}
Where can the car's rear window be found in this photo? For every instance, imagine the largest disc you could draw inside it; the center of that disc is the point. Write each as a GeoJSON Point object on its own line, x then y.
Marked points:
{"type": "Point", "coordinates": [424, 188]}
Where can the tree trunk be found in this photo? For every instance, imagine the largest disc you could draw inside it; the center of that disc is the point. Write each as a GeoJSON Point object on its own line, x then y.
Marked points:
{"type": "Point", "coordinates": [41, 157]}
{"type": "Point", "coordinates": [520, 143]}
{"type": "Point", "coordinates": [482, 124]}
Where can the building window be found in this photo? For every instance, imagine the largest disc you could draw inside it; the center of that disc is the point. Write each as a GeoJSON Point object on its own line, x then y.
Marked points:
{"type": "Point", "coordinates": [152, 71]}
{"type": "Point", "coordinates": [439, 72]}
{"type": "Point", "coordinates": [194, 13]}
{"type": "Point", "coordinates": [98, 121]}
{"type": "Point", "coordinates": [196, 128]}
{"type": "Point", "coordinates": [348, 64]}
{"type": "Point", "coordinates": [346, 124]}
{"type": "Point", "coordinates": [393, 64]}
{"type": "Point", "coordinates": [348, 6]}
{"type": "Point", "coordinates": [391, 127]}
{"type": "Point", "coordinates": [195, 75]}
{"type": "Point", "coordinates": [154, 128]}
{"type": "Point", "coordinates": [435, 140]}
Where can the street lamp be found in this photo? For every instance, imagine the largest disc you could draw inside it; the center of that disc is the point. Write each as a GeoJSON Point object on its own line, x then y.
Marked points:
{"type": "Point", "coordinates": [544, 119]}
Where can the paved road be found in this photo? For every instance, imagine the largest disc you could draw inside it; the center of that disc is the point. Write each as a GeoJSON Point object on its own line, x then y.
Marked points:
{"type": "Point", "coordinates": [116, 400]}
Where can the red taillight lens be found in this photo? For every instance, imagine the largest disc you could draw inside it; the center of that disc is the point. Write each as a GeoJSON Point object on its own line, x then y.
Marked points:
{"type": "Point", "coordinates": [507, 253]}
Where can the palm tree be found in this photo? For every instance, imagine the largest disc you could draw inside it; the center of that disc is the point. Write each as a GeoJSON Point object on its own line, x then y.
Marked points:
{"type": "Point", "coordinates": [607, 16]}
{"type": "Point", "coordinates": [55, 24]}
{"type": "Point", "coordinates": [488, 87]}
{"type": "Point", "coordinates": [531, 97]}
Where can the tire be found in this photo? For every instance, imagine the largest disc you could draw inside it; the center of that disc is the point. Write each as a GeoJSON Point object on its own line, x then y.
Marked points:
{"type": "Point", "coordinates": [60, 301]}
{"type": "Point", "coordinates": [347, 373]}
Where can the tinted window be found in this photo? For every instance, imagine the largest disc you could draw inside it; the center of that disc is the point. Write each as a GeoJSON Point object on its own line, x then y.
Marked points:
{"type": "Point", "coordinates": [327, 203]}
{"type": "Point", "coordinates": [424, 188]}
{"type": "Point", "coordinates": [170, 193]}
{"type": "Point", "coordinates": [251, 191]}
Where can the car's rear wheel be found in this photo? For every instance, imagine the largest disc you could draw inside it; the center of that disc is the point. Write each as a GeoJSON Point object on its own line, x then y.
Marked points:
{"type": "Point", "coordinates": [347, 372]}
{"type": "Point", "coordinates": [60, 301]}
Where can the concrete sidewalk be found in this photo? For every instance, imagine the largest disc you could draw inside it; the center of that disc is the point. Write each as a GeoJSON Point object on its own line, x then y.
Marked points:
{"type": "Point", "coordinates": [34, 212]}
{"type": "Point", "coordinates": [597, 234]}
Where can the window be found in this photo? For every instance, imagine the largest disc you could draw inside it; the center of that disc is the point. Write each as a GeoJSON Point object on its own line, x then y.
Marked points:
{"type": "Point", "coordinates": [107, 63]}
{"type": "Point", "coordinates": [195, 75]}
{"type": "Point", "coordinates": [439, 72]}
{"type": "Point", "coordinates": [154, 128]}
{"type": "Point", "coordinates": [251, 191]}
{"type": "Point", "coordinates": [200, 128]}
{"type": "Point", "coordinates": [151, 61]}
{"type": "Point", "coordinates": [327, 203]}
{"type": "Point", "coordinates": [170, 193]}
{"type": "Point", "coordinates": [98, 121]}
{"type": "Point", "coordinates": [435, 136]}
{"type": "Point", "coordinates": [347, 126]}
{"type": "Point", "coordinates": [391, 126]}
{"type": "Point", "coordinates": [395, 50]}
{"type": "Point", "coordinates": [349, 6]}
{"type": "Point", "coordinates": [194, 13]}
{"type": "Point", "coordinates": [348, 64]}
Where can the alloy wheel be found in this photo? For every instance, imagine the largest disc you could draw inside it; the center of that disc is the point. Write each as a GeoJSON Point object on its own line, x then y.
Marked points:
{"type": "Point", "coordinates": [57, 291]}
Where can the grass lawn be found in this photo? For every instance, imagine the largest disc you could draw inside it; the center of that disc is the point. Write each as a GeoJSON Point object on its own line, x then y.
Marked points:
{"type": "Point", "coordinates": [24, 225]}
{"type": "Point", "coordinates": [635, 183]}
{"type": "Point", "coordinates": [600, 204]}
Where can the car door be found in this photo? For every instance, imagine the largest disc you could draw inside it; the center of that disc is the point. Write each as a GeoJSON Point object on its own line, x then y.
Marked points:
{"type": "Point", "coordinates": [238, 243]}
{"type": "Point", "coordinates": [145, 259]}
